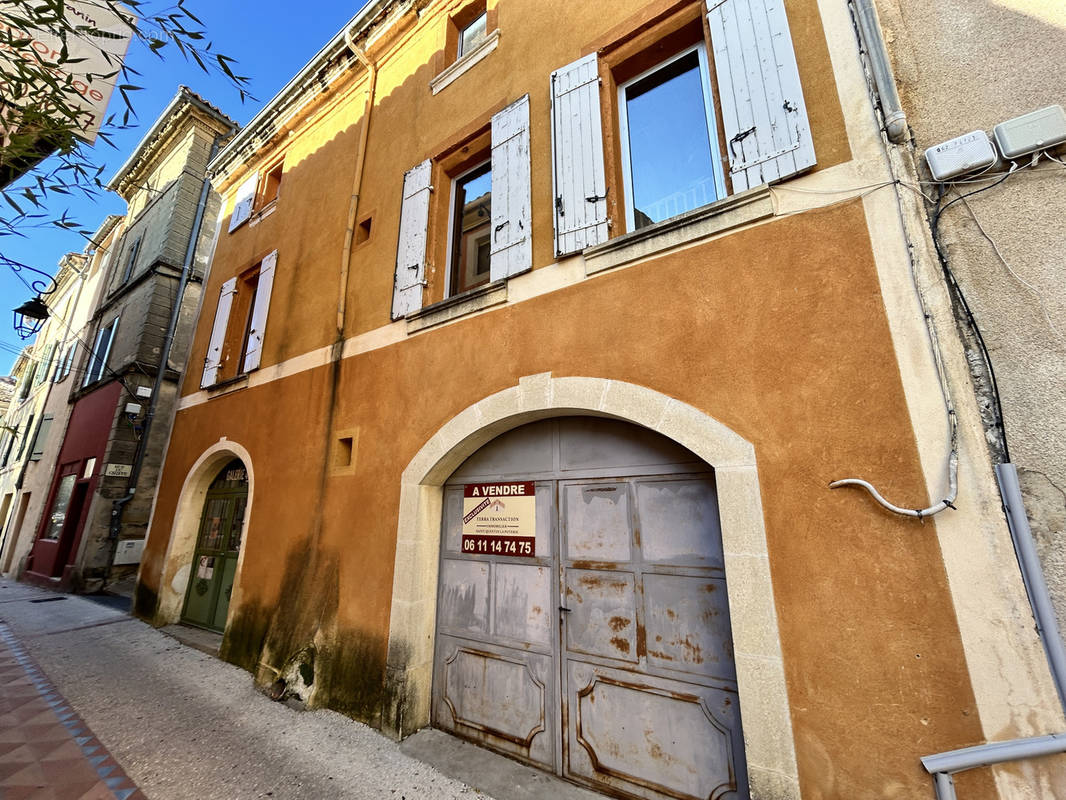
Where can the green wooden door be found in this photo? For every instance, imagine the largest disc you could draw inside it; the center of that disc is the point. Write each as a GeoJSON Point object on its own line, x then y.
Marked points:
{"type": "Point", "coordinates": [218, 544]}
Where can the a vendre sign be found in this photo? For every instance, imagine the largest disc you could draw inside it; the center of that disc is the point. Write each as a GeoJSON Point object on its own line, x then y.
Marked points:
{"type": "Point", "coordinates": [96, 38]}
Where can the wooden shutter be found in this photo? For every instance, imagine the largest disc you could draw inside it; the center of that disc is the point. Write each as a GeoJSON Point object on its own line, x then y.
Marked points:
{"type": "Point", "coordinates": [39, 440]}
{"type": "Point", "coordinates": [213, 362]}
{"type": "Point", "coordinates": [260, 309]}
{"type": "Point", "coordinates": [577, 156]}
{"type": "Point", "coordinates": [242, 206]}
{"type": "Point", "coordinates": [411, 250]}
{"type": "Point", "coordinates": [767, 135]}
{"type": "Point", "coordinates": [42, 374]}
{"type": "Point", "coordinates": [511, 249]}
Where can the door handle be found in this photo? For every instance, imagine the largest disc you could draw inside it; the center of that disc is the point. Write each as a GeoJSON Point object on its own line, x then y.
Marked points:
{"type": "Point", "coordinates": [564, 608]}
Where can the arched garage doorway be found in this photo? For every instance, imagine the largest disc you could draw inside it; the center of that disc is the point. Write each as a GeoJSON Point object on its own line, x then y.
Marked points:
{"type": "Point", "coordinates": [768, 739]}
{"type": "Point", "coordinates": [583, 621]}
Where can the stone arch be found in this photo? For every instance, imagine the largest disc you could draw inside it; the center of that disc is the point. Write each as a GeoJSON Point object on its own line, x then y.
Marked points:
{"type": "Point", "coordinates": [768, 739]}
{"type": "Point", "coordinates": [177, 563]}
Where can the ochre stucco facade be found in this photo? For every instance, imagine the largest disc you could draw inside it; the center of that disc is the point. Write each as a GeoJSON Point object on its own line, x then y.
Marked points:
{"type": "Point", "coordinates": [778, 327]}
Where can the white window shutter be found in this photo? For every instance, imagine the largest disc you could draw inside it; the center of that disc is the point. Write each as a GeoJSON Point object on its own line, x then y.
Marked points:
{"type": "Point", "coordinates": [213, 362]}
{"type": "Point", "coordinates": [260, 309]}
{"type": "Point", "coordinates": [411, 250]}
{"type": "Point", "coordinates": [767, 134]}
{"type": "Point", "coordinates": [511, 248]}
{"type": "Point", "coordinates": [242, 207]}
{"type": "Point", "coordinates": [577, 157]}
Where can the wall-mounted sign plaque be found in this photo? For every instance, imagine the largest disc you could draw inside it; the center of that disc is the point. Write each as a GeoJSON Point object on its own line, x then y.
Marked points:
{"type": "Point", "coordinates": [500, 519]}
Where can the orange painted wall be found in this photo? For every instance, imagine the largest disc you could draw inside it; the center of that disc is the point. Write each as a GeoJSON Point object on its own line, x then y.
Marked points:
{"type": "Point", "coordinates": [410, 124]}
{"type": "Point", "coordinates": [777, 331]}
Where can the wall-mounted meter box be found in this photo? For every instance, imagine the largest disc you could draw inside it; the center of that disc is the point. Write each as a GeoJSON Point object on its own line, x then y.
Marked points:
{"type": "Point", "coordinates": [128, 552]}
{"type": "Point", "coordinates": [1037, 130]}
{"type": "Point", "coordinates": [960, 155]}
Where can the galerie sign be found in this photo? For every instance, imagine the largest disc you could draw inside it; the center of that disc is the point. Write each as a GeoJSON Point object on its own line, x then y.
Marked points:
{"type": "Point", "coordinates": [500, 518]}
{"type": "Point", "coordinates": [96, 38]}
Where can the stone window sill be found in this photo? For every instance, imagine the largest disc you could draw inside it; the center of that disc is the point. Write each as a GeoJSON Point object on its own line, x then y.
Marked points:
{"type": "Point", "coordinates": [729, 212]}
{"type": "Point", "coordinates": [491, 294]}
{"type": "Point", "coordinates": [227, 386]}
{"type": "Point", "coordinates": [453, 71]}
{"type": "Point", "coordinates": [262, 213]}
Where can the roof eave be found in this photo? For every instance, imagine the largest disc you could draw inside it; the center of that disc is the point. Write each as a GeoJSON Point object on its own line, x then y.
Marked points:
{"type": "Point", "coordinates": [337, 45]}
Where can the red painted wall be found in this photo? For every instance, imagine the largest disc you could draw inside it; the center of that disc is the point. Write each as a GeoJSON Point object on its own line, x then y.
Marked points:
{"type": "Point", "coordinates": [86, 437]}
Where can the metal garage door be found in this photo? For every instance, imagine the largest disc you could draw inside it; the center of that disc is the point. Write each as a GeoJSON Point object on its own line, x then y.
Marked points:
{"type": "Point", "coordinates": [606, 656]}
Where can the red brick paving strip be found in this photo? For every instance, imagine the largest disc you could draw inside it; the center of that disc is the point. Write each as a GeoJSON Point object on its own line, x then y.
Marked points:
{"type": "Point", "coordinates": [47, 752]}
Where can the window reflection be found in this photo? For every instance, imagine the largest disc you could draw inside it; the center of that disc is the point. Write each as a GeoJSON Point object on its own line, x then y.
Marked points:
{"type": "Point", "coordinates": [670, 161]}
{"type": "Point", "coordinates": [471, 229]}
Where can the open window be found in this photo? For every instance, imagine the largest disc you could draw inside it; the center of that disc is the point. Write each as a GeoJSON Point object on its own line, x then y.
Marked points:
{"type": "Point", "coordinates": [670, 156]}
{"type": "Point", "coordinates": [270, 185]}
{"type": "Point", "coordinates": [484, 231]}
{"type": "Point", "coordinates": [239, 327]}
{"type": "Point", "coordinates": [471, 228]}
{"type": "Point", "coordinates": [701, 102]}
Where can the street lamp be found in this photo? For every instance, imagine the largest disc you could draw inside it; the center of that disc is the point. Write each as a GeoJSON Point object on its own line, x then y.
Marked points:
{"type": "Point", "coordinates": [30, 316]}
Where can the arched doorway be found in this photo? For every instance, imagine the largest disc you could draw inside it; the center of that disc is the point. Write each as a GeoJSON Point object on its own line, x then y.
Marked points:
{"type": "Point", "coordinates": [217, 549]}
{"type": "Point", "coordinates": [582, 612]}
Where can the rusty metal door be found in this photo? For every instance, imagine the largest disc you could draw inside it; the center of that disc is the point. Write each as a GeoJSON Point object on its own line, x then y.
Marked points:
{"type": "Point", "coordinates": [606, 658]}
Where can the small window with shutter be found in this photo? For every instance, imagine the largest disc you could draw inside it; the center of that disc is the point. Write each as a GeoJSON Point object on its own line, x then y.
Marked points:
{"type": "Point", "coordinates": [243, 202]}
{"type": "Point", "coordinates": [239, 328]}
{"type": "Point", "coordinates": [482, 222]}
{"type": "Point", "coordinates": [708, 102]}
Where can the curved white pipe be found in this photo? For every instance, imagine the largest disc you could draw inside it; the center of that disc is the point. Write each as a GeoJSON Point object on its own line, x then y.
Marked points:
{"type": "Point", "coordinates": [953, 482]}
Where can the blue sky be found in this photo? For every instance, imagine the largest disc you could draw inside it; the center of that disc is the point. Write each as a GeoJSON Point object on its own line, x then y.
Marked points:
{"type": "Point", "coordinates": [270, 39]}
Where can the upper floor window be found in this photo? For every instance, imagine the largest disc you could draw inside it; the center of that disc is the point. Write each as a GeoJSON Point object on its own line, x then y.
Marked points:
{"type": "Point", "coordinates": [65, 364]}
{"type": "Point", "coordinates": [485, 219]}
{"type": "Point", "coordinates": [473, 34]}
{"type": "Point", "coordinates": [673, 148]}
{"type": "Point", "coordinates": [239, 328]}
{"type": "Point", "coordinates": [101, 350]}
{"type": "Point", "coordinates": [471, 229]}
{"type": "Point", "coordinates": [670, 155]}
{"type": "Point", "coordinates": [270, 185]}
{"type": "Point", "coordinates": [131, 260]}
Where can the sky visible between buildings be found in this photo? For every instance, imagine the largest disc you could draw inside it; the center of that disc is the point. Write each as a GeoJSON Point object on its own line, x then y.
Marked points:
{"type": "Point", "coordinates": [271, 40]}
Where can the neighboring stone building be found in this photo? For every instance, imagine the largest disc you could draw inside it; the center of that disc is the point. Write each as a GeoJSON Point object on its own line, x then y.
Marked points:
{"type": "Point", "coordinates": [78, 282]}
{"type": "Point", "coordinates": [529, 352]}
{"type": "Point", "coordinates": [963, 66]}
{"type": "Point", "coordinates": [101, 492]}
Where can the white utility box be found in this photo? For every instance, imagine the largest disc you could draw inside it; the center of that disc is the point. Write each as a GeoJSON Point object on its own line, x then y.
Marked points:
{"type": "Point", "coordinates": [961, 155]}
{"type": "Point", "coordinates": [1037, 130]}
{"type": "Point", "coordinates": [128, 552]}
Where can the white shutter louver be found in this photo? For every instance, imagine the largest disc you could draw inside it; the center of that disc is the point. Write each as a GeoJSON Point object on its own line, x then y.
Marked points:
{"type": "Point", "coordinates": [577, 157]}
{"type": "Point", "coordinates": [411, 249]}
{"type": "Point", "coordinates": [511, 248]}
{"type": "Point", "coordinates": [213, 362]}
{"type": "Point", "coordinates": [767, 134]}
{"type": "Point", "coordinates": [260, 309]}
{"type": "Point", "coordinates": [242, 206]}
{"type": "Point", "coordinates": [39, 440]}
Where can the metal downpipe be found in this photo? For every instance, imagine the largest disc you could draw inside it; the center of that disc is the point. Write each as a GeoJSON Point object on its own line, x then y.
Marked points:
{"type": "Point", "coordinates": [1047, 626]}
{"type": "Point", "coordinates": [870, 27]}
{"type": "Point", "coordinates": [357, 186]}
